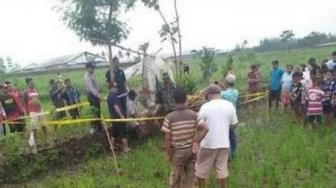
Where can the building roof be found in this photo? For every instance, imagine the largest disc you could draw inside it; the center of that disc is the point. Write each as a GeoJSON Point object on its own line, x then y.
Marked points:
{"type": "Point", "coordinates": [73, 59]}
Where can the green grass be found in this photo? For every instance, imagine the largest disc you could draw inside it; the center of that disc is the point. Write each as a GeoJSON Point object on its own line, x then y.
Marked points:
{"type": "Point", "coordinates": [276, 154]}
{"type": "Point", "coordinates": [279, 153]}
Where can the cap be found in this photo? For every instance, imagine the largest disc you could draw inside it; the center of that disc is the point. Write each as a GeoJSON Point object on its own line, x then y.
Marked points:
{"type": "Point", "coordinates": [89, 65]}
{"type": "Point", "coordinates": [213, 89]}
{"type": "Point", "coordinates": [230, 78]}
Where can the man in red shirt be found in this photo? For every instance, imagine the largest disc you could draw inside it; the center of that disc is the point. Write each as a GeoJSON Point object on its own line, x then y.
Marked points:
{"type": "Point", "coordinates": [17, 95]}
{"type": "Point", "coordinates": [34, 110]}
{"type": "Point", "coordinates": [12, 110]}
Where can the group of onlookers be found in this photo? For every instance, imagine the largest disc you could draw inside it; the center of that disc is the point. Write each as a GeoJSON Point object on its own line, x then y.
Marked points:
{"type": "Point", "coordinates": [198, 142]}
{"type": "Point", "coordinates": [309, 89]}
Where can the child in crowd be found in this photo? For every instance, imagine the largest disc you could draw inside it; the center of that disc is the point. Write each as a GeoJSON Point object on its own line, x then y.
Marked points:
{"type": "Point", "coordinates": [232, 95]}
{"type": "Point", "coordinates": [286, 82]}
{"type": "Point", "coordinates": [314, 98]}
{"type": "Point", "coordinates": [329, 90]}
{"type": "Point", "coordinates": [296, 93]}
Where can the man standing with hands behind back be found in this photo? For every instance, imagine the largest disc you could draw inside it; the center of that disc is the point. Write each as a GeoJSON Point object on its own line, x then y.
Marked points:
{"type": "Point", "coordinates": [183, 133]}
{"type": "Point", "coordinates": [219, 115]}
{"type": "Point", "coordinates": [93, 94]}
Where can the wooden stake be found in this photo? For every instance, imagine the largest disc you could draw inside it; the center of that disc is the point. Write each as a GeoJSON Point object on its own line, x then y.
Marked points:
{"type": "Point", "coordinates": [111, 145]}
{"type": "Point", "coordinates": [267, 106]}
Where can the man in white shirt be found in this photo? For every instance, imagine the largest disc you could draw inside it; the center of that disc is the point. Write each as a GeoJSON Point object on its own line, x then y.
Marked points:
{"type": "Point", "coordinates": [331, 64]}
{"type": "Point", "coordinates": [219, 115]}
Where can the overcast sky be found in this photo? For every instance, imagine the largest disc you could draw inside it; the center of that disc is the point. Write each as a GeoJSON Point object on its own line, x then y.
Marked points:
{"type": "Point", "coordinates": [32, 32]}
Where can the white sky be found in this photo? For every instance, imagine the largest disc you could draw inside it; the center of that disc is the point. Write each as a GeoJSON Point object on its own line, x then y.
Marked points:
{"type": "Point", "coordinates": [31, 32]}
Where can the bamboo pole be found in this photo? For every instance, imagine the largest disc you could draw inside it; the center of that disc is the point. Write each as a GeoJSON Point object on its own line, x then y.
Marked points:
{"type": "Point", "coordinates": [267, 106]}
{"type": "Point", "coordinates": [111, 145]}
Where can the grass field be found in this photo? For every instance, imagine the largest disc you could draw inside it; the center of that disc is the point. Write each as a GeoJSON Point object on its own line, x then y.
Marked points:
{"type": "Point", "coordinates": [277, 153]}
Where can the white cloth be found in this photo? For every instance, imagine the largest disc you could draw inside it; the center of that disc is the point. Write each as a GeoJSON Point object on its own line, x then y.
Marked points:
{"type": "Point", "coordinates": [219, 115]}
{"type": "Point", "coordinates": [306, 75]}
{"type": "Point", "coordinates": [331, 64]}
{"type": "Point", "coordinates": [132, 107]}
{"type": "Point", "coordinates": [286, 80]}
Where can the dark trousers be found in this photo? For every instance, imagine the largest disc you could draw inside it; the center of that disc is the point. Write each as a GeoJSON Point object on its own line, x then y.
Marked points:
{"type": "Point", "coordinates": [17, 126]}
{"type": "Point", "coordinates": [3, 129]}
{"type": "Point", "coordinates": [274, 95]}
{"type": "Point", "coordinates": [233, 141]}
{"type": "Point", "coordinates": [123, 104]}
{"type": "Point", "coordinates": [95, 106]}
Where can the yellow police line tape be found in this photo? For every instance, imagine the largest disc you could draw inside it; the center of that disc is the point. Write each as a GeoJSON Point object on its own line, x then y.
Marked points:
{"type": "Point", "coordinates": [70, 107]}
{"type": "Point", "coordinates": [255, 99]}
{"type": "Point", "coordinates": [78, 121]}
{"type": "Point", "coordinates": [253, 94]}
{"type": "Point", "coordinates": [191, 97]}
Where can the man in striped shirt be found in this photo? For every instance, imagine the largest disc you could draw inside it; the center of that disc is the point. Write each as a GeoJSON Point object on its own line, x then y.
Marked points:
{"type": "Point", "coordinates": [183, 133]}
{"type": "Point", "coordinates": [314, 97]}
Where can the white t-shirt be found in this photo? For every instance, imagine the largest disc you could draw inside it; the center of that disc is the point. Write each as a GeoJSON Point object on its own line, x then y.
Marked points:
{"type": "Point", "coordinates": [331, 64]}
{"type": "Point", "coordinates": [306, 74]}
{"type": "Point", "coordinates": [218, 114]}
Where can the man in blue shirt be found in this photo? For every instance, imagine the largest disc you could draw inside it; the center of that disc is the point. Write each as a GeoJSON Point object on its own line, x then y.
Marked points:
{"type": "Point", "coordinates": [232, 95]}
{"type": "Point", "coordinates": [119, 129]}
{"type": "Point", "coordinates": [275, 85]}
{"type": "Point", "coordinates": [120, 78]}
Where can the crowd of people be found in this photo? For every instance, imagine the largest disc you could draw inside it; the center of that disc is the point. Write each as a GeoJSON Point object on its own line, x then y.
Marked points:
{"type": "Point", "coordinates": [16, 106]}
{"type": "Point", "coordinates": [309, 90]}
{"type": "Point", "coordinates": [197, 142]}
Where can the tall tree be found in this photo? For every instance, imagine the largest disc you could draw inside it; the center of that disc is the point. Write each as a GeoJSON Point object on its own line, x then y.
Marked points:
{"type": "Point", "coordinates": [208, 65]}
{"type": "Point", "coordinates": [286, 36]}
{"type": "Point", "coordinates": [97, 21]}
{"type": "Point", "coordinates": [169, 31]}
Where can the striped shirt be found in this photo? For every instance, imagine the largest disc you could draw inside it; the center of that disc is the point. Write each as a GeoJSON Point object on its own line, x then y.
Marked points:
{"type": "Point", "coordinates": [314, 97]}
{"type": "Point", "coordinates": [329, 90]}
{"type": "Point", "coordinates": [182, 125]}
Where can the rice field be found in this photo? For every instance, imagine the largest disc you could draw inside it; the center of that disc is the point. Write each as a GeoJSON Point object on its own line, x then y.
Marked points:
{"type": "Point", "coordinates": [274, 153]}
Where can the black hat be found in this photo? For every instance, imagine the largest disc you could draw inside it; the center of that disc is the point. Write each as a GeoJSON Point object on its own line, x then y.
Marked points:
{"type": "Point", "coordinates": [89, 65]}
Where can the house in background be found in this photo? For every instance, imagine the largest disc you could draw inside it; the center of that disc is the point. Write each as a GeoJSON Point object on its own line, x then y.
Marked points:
{"type": "Point", "coordinates": [72, 62]}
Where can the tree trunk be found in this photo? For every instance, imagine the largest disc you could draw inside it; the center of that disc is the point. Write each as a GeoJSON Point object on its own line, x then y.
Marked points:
{"type": "Point", "coordinates": [172, 43]}
{"type": "Point", "coordinates": [109, 43]}
{"type": "Point", "coordinates": [180, 39]}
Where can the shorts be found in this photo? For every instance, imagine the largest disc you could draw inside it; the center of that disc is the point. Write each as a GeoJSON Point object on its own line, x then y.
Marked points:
{"type": "Point", "coordinates": [313, 118]}
{"type": "Point", "coordinates": [296, 105]}
{"type": "Point", "coordinates": [212, 158]}
{"type": "Point", "coordinates": [275, 94]}
{"type": "Point", "coordinates": [328, 109]}
{"type": "Point", "coordinates": [182, 165]}
{"type": "Point", "coordinates": [37, 120]}
{"type": "Point", "coordinates": [285, 98]}
{"type": "Point", "coordinates": [119, 130]}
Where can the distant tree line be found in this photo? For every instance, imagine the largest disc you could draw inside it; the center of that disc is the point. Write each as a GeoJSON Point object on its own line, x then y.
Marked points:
{"type": "Point", "coordinates": [286, 41]}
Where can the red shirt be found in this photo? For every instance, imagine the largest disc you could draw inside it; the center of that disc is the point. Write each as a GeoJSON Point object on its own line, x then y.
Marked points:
{"type": "Point", "coordinates": [31, 97]}
{"type": "Point", "coordinates": [314, 98]}
{"type": "Point", "coordinates": [253, 84]}
{"type": "Point", "coordinates": [17, 95]}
